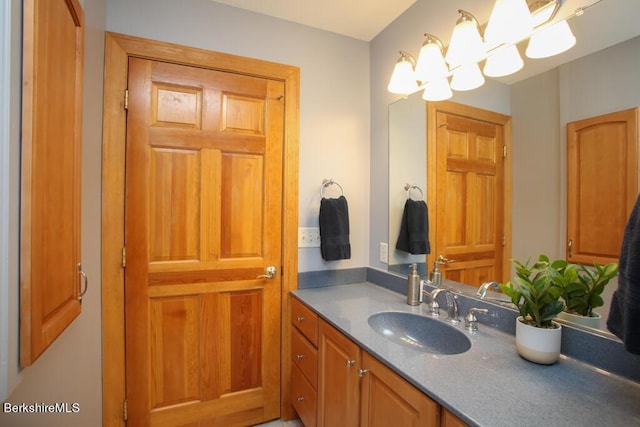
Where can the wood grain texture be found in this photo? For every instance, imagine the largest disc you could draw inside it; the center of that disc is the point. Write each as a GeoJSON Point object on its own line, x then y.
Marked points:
{"type": "Point", "coordinates": [50, 217]}
{"type": "Point", "coordinates": [389, 400]}
{"type": "Point", "coordinates": [164, 227]}
{"type": "Point", "coordinates": [119, 48]}
{"type": "Point", "coordinates": [338, 381]}
{"type": "Point", "coordinates": [470, 198]}
{"type": "Point", "coordinates": [602, 184]}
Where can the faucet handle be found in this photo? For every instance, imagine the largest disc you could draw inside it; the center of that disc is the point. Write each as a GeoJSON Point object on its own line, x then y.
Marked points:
{"type": "Point", "coordinates": [434, 307]}
{"type": "Point", "coordinates": [470, 320]}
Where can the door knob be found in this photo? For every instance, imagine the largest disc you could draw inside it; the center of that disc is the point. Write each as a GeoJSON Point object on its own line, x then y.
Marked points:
{"type": "Point", "coordinates": [269, 273]}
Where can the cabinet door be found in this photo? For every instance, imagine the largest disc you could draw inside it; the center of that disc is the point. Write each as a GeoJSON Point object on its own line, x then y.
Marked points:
{"type": "Point", "coordinates": [602, 184]}
{"type": "Point", "coordinates": [339, 383]}
{"type": "Point", "coordinates": [51, 171]}
{"type": "Point", "coordinates": [388, 400]}
{"type": "Point", "coordinates": [450, 420]}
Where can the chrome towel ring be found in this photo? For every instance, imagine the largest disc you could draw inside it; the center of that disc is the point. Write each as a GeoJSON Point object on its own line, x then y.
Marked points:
{"type": "Point", "coordinates": [328, 182]}
{"type": "Point", "coordinates": [410, 187]}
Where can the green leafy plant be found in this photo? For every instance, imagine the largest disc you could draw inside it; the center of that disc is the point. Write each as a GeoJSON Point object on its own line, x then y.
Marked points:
{"type": "Point", "coordinates": [534, 293]}
{"type": "Point", "coordinates": [582, 293]}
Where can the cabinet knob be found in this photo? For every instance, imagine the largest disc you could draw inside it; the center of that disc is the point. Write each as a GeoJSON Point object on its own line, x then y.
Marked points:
{"type": "Point", "coordinates": [300, 399]}
{"type": "Point", "coordinates": [299, 319]}
{"type": "Point", "coordinates": [362, 372]}
{"type": "Point", "coordinates": [350, 363]}
{"type": "Point", "coordinates": [299, 356]}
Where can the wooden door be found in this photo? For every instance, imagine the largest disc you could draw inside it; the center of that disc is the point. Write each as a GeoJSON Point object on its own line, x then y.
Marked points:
{"type": "Point", "coordinates": [51, 169]}
{"type": "Point", "coordinates": [338, 381]}
{"type": "Point", "coordinates": [602, 184]}
{"type": "Point", "coordinates": [202, 222]}
{"type": "Point", "coordinates": [388, 400]}
{"type": "Point", "coordinates": [471, 228]}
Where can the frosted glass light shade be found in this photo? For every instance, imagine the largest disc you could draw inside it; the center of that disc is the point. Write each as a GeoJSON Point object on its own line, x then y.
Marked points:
{"type": "Point", "coordinates": [437, 90]}
{"type": "Point", "coordinates": [510, 22]}
{"type": "Point", "coordinates": [467, 77]}
{"type": "Point", "coordinates": [503, 61]}
{"type": "Point", "coordinates": [403, 80]}
{"type": "Point", "coordinates": [431, 65]}
{"type": "Point", "coordinates": [466, 45]}
{"type": "Point", "coordinates": [551, 40]}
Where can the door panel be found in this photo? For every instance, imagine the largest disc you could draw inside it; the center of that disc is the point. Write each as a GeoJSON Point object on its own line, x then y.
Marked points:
{"type": "Point", "coordinates": [599, 202]}
{"type": "Point", "coordinates": [203, 181]}
{"type": "Point", "coordinates": [469, 197]}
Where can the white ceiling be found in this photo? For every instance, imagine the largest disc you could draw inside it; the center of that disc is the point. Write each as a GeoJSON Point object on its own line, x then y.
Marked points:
{"type": "Point", "coordinates": [360, 19]}
{"type": "Point", "coordinates": [606, 23]}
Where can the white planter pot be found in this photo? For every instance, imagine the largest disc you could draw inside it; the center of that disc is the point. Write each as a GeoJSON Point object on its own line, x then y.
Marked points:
{"type": "Point", "coordinates": [594, 321]}
{"type": "Point", "coordinates": [538, 345]}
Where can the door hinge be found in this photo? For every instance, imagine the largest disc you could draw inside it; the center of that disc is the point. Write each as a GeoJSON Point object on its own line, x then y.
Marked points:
{"type": "Point", "coordinates": [504, 151]}
{"type": "Point", "coordinates": [126, 99]}
{"type": "Point", "coordinates": [124, 410]}
{"type": "Point", "coordinates": [124, 257]}
{"type": "Point", "coordinates": [504, 240]}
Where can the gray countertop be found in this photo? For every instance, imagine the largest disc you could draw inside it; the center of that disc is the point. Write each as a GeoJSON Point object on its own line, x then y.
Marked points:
{"type": "Point", "coordinates": [489, 385]}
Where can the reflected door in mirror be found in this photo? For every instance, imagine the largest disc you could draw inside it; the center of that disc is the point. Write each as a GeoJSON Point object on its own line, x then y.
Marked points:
{"type": "Point", "coordinates": [470, 194]}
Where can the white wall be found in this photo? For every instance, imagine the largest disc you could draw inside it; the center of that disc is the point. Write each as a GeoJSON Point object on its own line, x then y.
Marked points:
{"type": "Point", "coordinates": [334, 95]}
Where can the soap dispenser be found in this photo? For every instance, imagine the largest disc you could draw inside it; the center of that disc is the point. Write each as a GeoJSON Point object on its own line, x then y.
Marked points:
{"type": "Point", "coordinates": [413, 286]}
{"type": "Point", "coordinates": [436, 275]}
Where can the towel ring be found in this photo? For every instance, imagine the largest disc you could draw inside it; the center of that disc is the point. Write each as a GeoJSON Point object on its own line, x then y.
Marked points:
{"type": "Point", "coordinates": [410, 187]}
{"type": "Point", "coordinates": [326, 183]}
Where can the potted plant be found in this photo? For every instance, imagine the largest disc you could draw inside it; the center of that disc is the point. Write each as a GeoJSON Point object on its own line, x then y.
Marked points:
{"type": "Point", "coordinates": [537, 298]}
{"type": "Point", "coordinates": [582, 287]}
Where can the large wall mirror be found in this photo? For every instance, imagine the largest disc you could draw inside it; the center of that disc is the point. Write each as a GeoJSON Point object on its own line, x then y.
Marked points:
{"type": "Point", "coordinates": [540, 106]}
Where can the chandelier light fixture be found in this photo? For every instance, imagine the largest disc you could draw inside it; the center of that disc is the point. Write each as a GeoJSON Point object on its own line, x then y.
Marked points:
{"type": "Point", "coordinates": [511, 22]}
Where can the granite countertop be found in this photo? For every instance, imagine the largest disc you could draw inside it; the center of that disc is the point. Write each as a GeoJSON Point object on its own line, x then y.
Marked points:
{"type": "Point", "coordinates": [489, 385]}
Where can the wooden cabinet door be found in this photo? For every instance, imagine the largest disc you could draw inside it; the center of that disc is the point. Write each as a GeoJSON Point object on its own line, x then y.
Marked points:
{"type": "Point", "coordinates": [338, 380]}
{"type": "Point", "coordinates": [50, 219]}
{"type": "Point", "coordinates": [450, 420]}
{"type": "Point", "coordinates": [388, 400]}
{"type": "Point", "coordinates": [602, 184]}
{"type": "Point", "coordinates": [203, 221]}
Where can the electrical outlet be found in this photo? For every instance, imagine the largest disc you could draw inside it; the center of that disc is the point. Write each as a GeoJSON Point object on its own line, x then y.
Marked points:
{"type": "Point", "coordinates": [384, 253]}
{"type": "Point", "coordinates": [308, 237]}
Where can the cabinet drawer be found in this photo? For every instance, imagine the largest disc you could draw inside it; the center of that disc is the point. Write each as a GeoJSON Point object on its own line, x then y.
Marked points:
{"type": "Point", "coordinates": [304, 398]}
{"type": "Point", "coordinates": [305, 357]}
{"type": "Point", "coordinates": [305, 320]}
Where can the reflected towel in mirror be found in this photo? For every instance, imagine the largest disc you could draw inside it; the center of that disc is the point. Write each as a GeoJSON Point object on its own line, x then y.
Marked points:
{"type": "Point", "coordinates": [334, 229]}
{"type": "Point", "coordinates": [414, 228]}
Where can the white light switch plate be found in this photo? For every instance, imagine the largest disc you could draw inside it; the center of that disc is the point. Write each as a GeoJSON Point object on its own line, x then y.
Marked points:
{"type": "Point", "coordinates": [308, 237]}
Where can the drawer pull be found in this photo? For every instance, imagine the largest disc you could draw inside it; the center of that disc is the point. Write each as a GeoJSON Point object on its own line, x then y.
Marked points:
{"type": "Point", "coordinates": [300, 399]}
{"type": "Point", "coordinates": [299, 356]}
{"type": "Point", "coordinates": [300, 319]}
{"type": "Point", "coordinates": [350, 363]}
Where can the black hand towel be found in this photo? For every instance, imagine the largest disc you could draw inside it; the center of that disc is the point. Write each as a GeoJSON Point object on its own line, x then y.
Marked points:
{"type": "Point", "coordinates": [334, 229]}
{"type": "Point", "coordinates": [414, 229]}
{"type": "Point", "coordinates": [624, 315]}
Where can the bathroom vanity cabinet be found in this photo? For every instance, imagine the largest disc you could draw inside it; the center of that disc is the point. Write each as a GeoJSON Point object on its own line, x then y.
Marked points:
{"type": "Point", "coordinates": [335, 382]}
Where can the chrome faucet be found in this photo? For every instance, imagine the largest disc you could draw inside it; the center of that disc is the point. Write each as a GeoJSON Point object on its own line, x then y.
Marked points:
{"type": "Point", "coordinates": [452, 308]}
{"type": "Point", "coordinates": [482, 290]}
{"type": "Point", "coordinates": [434, 307]}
